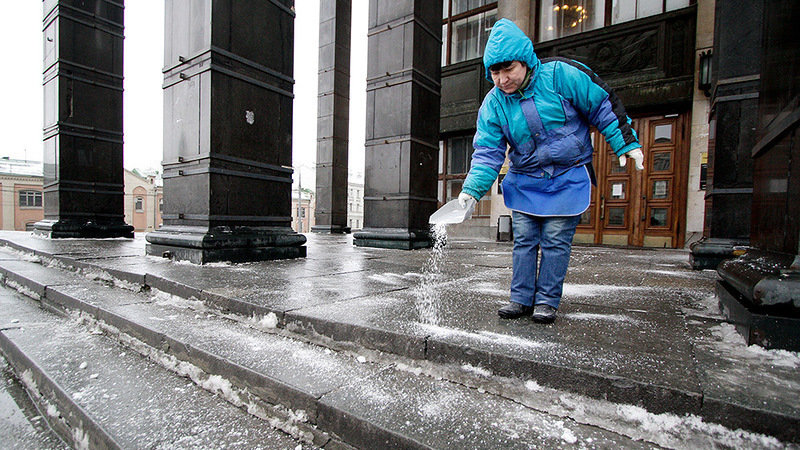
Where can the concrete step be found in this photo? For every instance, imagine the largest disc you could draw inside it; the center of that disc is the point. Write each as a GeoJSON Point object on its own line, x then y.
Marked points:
{"type": "Point", "coordinates": [98, 394]}
{"type": "Point", "coordinates": [651, 355]}
{"type": "Point", "coordinates": [331, 396]}
{"type": "Point", "coordinates": [328, 396]}
{"type": "Point", "coordinates": [21, 424]}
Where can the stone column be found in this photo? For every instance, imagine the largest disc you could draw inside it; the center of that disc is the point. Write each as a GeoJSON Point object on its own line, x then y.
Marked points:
{"type": "Point", "coordinates": [83, 178]}
{"type": "Point", "coordinates": [402, 135]}
{"type": "Point", "coordinates": [227, 132]}
{"type": "Point", "coordinates": [734, 115]}
{"type": "Point", "coordinates": [333, 112]}
{"type": "Point", "coordinates": [759, 292]}
{"type": "Point", "coordinates": [518, 11]}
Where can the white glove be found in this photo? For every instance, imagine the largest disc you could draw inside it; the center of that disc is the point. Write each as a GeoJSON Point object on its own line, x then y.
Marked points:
{"type": "Point", "coordinates": [463, 198]}
{"type": "Point", "coordinates": [637, 156]}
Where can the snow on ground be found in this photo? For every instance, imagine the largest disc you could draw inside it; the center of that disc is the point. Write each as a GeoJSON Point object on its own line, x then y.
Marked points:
{"type": "Point", "coordinates": [591, 290]}
{"type": "Point", "coordinates": [484, 336]}
{"type": "Point", "coordinates": [608, 317]}
{"type": "Point", "coordinates": [735, 342]}
{"type": "Point", "coordinates": [674, 273]}
{"type": "Point", "coordinates": [690, 431]}
{"type": "Point", "coordinates": [388, 278]}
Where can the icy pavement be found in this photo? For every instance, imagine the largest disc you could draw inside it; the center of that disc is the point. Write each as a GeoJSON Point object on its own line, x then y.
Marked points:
{"type": "Point", "coordinates": [636, 328]}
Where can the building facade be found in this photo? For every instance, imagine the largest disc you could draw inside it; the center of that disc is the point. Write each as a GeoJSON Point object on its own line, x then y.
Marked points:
{"type": "Point", "coordinates": [21, 199]}
{"type": "Point", "coordinates": [305, 211]}
{"type": "Point", "coordinates": [355, 205]}
{"type": "Point", "coordinates": [144, 200]}
{"type": "Point", "coordinates": [21, 203]}
{"type": "Point", "coordinates": [649, 53]}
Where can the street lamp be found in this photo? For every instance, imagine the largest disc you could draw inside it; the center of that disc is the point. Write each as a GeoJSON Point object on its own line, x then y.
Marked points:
{"type": "Point", "coordinates": [704, 78]}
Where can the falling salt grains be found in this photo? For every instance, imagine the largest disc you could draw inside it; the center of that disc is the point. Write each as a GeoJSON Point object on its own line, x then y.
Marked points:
{"type": "Point", "coordinates": [94, 376]}
{"type": "Point", "coordinates": [83, 365]}
{"type": "Point", "coordinates": [427, 299]}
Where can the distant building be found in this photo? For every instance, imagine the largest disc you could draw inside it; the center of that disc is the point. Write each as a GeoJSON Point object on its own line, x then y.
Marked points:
{"type": "Point", "coordinates": [21, 201]}
{"type": "Point", "coordinates": [308, 205]}
{"type": "Point", "coordinates": [355, 205]}
{"type": "Point", "coordinates": [144, 200]}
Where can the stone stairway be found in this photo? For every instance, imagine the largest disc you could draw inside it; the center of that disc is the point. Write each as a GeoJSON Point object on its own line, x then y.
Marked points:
{"type": "Point", "coordinates": [85, 368]}
{"type": "Point", "coordinates": [117, 359]}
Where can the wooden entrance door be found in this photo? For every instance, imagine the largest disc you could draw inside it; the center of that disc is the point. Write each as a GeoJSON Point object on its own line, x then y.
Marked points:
{"type": "Point", "coordinates": [641, 208]}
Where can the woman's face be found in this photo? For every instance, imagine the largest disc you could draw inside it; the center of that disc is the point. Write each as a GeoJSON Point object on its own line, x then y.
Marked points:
{"type": "Point", "coordinates": [510, 79]}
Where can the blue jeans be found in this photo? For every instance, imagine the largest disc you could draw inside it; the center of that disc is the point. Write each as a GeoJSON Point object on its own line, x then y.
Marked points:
{"type": "Point", "coordinates": [553, 235]}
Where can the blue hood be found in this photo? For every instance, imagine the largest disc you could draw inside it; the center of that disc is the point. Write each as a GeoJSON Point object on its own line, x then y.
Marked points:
{"type": "Point", "coordinates": [508, 43]}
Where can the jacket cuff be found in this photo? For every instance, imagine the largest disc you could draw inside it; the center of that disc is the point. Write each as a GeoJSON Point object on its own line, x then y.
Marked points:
{"type": "Point", "coordinates": [479, 181]}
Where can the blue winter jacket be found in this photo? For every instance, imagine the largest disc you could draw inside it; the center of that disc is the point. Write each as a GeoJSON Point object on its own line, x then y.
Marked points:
{"type": "Point", "coordinates": [546, 124]}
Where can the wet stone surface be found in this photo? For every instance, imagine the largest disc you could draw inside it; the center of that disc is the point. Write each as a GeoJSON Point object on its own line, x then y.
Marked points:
{"type": "Point", "coordinates": [636, 319]}
{"type": "Point", "coordinates": [440, 416]}
{"type": "Point", "coordinates": [138, 402]}
{"type": "Point", "coordinates": [84, 247]}
{"type": "Point", "coordinates": [21, 425]}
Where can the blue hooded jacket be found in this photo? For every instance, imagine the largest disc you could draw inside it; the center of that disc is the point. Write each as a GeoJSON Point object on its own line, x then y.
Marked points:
{"type": "Point", "coordinates": [544, 126]}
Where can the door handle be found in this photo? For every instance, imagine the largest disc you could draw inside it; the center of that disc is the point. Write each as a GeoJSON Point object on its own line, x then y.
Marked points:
{"type": "Point", "coordinates": [644, 210]}
{"type": "Point", "coordinates": [602, 208]}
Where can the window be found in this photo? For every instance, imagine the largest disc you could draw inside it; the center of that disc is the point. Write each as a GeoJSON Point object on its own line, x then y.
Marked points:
{"type": "Point", "coordinates": [465, 29]}
{"type": "Point", "coordinates": [457, 152]}
{"type": "Point", "coordinates": [30, 199]}
{"type": "Point", "coordinates": [625, 10]}
{"type": "Point", "coordinates": [559, 18]}
{"type": "Point", "coordinates": [139, 204]}
{"type": "Point", "coordinates": [161, 204]}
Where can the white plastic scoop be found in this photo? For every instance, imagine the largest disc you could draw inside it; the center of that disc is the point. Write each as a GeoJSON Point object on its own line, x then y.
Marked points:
{"type": "Point", "coordinates": [452, 212]}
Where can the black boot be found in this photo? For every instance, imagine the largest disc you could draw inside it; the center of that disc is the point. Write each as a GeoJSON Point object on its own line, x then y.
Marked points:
{"type": "Point", "coordinates": [513, 310]}
{"type": "Point", "coordinates": [544, 314]}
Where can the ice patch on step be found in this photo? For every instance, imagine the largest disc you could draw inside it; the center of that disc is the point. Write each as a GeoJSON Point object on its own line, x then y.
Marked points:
{"type": "Point", "coordinates": [491, 289]}
{"type": "Point", "coordinates": [167, 299]}
{"type": "Point", "coordinates": [620, 318]}
{"type": "Point", "coordinates": [533, 386]}
{"type": "Point", "coordinates": [484, 336]}
{"type": "Point", "coordinates": [388, 278]}
{"type": "Point", "coordinates": [679, 427]}
{"type": "Point", "coordinates": [269, 321]}
{"type": "Point", "coordinates": [727, 333]}
{"type": "Point", "coordinates": [591, 290]}
{"type": "Point", "coordinates": [24, 290]}
{"type": "Point", "coordinates": [480, 371]}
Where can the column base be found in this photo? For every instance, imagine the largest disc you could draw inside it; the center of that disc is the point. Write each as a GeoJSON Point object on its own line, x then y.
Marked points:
{"type": "Point", "coordinates": [331, 229]}
{"type": "Point", "coordinates": [401, 239]}
{"type": "Point", "coordinates": [62, 229]}
{"type": "Point", "coordinates": [760, 294]}
{"type": "Point", "coordinates": [201, 245]}
{"type": "Point", "coordinates": [708, 253]}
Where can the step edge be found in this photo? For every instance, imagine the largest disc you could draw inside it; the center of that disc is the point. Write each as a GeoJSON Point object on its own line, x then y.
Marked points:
{"type": "Point", "coordinates": [73, 423]}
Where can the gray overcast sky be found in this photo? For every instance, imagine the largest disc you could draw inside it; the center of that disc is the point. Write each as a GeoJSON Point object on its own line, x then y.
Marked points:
{"type": "Point", "coordinates": [21, 84]}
